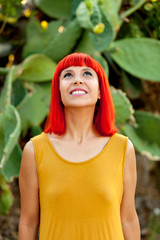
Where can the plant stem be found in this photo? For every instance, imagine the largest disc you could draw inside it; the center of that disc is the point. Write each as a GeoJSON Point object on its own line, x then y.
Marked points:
{"type": "Point", "coordinates": [4, 70]}
{"type": "Point", "coordinates": [132, 9]}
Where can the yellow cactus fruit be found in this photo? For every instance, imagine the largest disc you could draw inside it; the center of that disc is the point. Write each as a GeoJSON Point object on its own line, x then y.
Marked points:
{"type": "Point", "coordinates": [99, 28]}
{"type": "Point", "coordinates": [44, 24]}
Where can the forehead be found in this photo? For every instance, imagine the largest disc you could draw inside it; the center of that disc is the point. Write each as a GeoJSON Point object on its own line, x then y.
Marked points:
{"type": "Point", "coordinates": [77, 68]}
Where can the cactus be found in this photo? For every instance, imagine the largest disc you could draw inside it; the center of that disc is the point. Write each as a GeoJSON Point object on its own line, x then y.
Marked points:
{"type": "Point", "coordinates": [6, 198]}
{"type": "Point", "coordinates": [38, 38]}
{"type": "Point", "coordinates": [85, 45]}
{"type": "Point", "coordinates": [10, 125]}
{"type": "Point", "coordinates": [35, 106]}
{"type": "Point", "coordinates": [132, 85]}
{"type": "Point", "coordinates": [96, 16]}
{"type": "Point", "coordinates": [5, 96]}
{"type": "Point", "coordinates": [111, 9]}
{"type": "Point", "coordinates": [99, 28]}
{"type": "Point", "coordinates": [37, 68]}
{"type": "Point", "coordinates": [102, 61]}
{"type": "Point", "coordinates": [64, 41]}
{"type": "Point", "coordinates": [103, 40]}
{"type": "Point", "coordinates": [135, 6]}
{"type": "Point", "coordinates": [56, 9]}
{"type": "Point", "coordinates": [123, 107]}
{"type": "Point", "coordinates": [138, 56]}
{"type": "Point", "coordinates": [89, 4]}
{"type": "Point", "coordinates": [18, 92]}
{"type": "Point", "coordinates": [145, 136]}
{"type": "Point", "coordinates": [83, 16]}
{"type": "Point", "coordinates": [12, 166]}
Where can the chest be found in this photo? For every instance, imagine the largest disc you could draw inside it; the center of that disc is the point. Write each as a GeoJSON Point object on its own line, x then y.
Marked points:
{"type": "Point", "coordinates": [79, 153]}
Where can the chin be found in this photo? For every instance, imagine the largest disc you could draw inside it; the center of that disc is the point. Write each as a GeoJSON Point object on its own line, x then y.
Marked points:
{"type": "Point", "coordinates": [80, 105]}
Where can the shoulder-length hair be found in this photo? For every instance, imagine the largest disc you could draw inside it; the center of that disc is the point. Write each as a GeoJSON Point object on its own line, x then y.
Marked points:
{"type": "Point", "coordinates": [104, 116]}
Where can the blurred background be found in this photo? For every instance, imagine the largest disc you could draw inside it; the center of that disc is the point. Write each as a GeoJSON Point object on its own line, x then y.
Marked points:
{"type": "Point", "coordinates": [123, 36]}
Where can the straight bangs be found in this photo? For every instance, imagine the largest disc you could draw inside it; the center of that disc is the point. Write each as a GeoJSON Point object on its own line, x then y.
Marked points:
{"type": "Point", "coordinates": [77, 59]}
{"type": "Point", "coordinates": [104, 115]}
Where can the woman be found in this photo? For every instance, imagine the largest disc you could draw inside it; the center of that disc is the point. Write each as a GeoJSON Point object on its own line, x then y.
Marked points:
{"type": "Point", "coordinates": [78, 177]}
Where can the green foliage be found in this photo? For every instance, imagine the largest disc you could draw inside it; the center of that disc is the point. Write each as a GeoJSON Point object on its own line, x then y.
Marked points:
{"type": "Point", "coordinates": [10, 11]}
{"type": "Point", "coordinates": [64, 41]}
{"type": "Point", "coordinates": [123, 108]}
{"type": "Point", "coordinates": [19, 92]}
{"type": "Point", "coordinates": [5, 97]}
{"type": "Point", "coordinates": [6, 198]}
{"type": "Point", "coordinates": [85, 45]}
{"type": "Point", "coordinates": [138, 56]}
{"type": "Point", "coordinates": [136, 5]}
{"type": "Point", "coordinates": [83, 16]}
{"type": "Point", "coordinates": [144, 136]}
{"type": "Point", "coordinates": [152, 20]}
{"type": "Point", "coordinates": [10, 126]}
{"type": "Point", "coordinates": [132, 86]}
{"type": "Point", "coordinates": [111, 9]}
{"type": "Point", "coordinates": [102, 62]}
{"type": "Point", "coordinates": [37, 37]}
{"type": "Point", "coordinates": [4, 49]}
{"type": "Point", "coordinates": [54, 8]}
{"type": "Point", "coordinates": [92, 18]}
{"type": "Point", "coordinates": [154, 224]}
{"type": "Point", "coordinates": [103, 40]}
{"type": "Point", "coordinates": [36, 68]}
{"type": "Point", "coordinates": [30, 114]}
{"type": "Point", "coordinates": [10, 8]}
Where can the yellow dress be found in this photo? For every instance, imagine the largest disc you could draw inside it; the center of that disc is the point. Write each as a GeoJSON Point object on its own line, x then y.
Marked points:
{"type": "Point", "coordinates": [80, 200]}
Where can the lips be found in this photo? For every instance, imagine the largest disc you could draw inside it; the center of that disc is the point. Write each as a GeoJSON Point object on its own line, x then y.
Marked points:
{"type": "Point", "coordinates": [77, 89]}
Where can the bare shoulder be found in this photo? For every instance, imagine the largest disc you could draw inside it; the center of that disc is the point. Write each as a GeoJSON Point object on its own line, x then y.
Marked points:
{"type": "Point", "coordinates": [28, 148]}
{"type": "Point", "coordinates": [130, 144]}
{"type": "Point", "coordinates": [130, 152]}
{"type": "Point", "coordinates": [28, 162]}
{"type": "Point", "coordinates": [130, 162]}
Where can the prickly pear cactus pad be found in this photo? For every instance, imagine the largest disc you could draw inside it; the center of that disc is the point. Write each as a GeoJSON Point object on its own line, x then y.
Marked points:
{"type": "Point", "coordinates": [138, 56]}
{"type": "Point", "coordinates": [64, 41]}
{"type": "Point", "coordinates": [38, 37]}
{"type": "Point", "coordinates": [36, 68]}
{"type": "Point", "coordinates": [102, 40]}
{"type": "Point", "coordinates": [123, 107]}
{"type": "Point", "coordinates": [10, 125]}
{"type": "Point", "coordinates": [6, 197]}
{"type": "Point", "coordinates": [56, 9]}
{"type": "Point", "coordinates": [145, 137]}
{"type": "Point", "coordinates": [85, 45]}
{"type": "Point", "coordinates": [35, 106]}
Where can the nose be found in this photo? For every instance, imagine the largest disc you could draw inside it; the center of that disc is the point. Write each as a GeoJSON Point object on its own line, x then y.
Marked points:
{"type": "Point", "coordinates": [78, 81]}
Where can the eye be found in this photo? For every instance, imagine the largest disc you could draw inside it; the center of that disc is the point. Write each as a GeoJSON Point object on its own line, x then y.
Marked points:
{"type": "Point", "coordinates": [68, 75]}
{"type": "Point", "coordinates": [87, 73]}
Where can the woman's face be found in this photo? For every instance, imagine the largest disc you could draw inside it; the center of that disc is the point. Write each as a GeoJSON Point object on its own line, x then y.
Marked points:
{"type": "Point", "coordinates": [79, 86]}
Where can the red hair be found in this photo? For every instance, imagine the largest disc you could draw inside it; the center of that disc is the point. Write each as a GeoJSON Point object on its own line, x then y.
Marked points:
{"type": "Point", "coordinates": [104, 115]}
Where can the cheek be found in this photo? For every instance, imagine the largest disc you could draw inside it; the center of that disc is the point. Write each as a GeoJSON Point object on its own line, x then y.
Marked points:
{"type": "Point", "coordinates": [63, 86]}
{"type": "Point", "coordinates": [95, 87]}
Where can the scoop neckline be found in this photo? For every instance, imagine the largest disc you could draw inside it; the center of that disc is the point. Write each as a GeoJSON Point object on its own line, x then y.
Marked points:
{"type": "Point", "coordinates": [86, 161]}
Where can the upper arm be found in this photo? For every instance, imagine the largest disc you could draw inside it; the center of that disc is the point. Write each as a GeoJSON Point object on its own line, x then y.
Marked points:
{"type": "Point", "coordinates": [128, 211]}
{"type": "Point", "coordinates": [28, 183]}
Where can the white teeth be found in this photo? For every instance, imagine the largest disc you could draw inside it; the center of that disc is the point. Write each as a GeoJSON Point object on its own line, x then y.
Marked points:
{"type": "Point", "coordinates": [77, 92]}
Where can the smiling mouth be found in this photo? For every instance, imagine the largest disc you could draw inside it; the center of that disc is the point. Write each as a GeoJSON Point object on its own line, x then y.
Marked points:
{"type": "Point", "coordinates": [79, 93]}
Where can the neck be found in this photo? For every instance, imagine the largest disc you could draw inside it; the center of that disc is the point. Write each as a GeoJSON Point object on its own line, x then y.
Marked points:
{"type": "Point", "coordinates": [79, 124]}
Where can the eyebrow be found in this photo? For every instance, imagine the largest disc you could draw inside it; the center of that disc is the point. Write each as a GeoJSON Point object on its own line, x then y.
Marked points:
{"type": "Point", "coordinates": [70, 70]}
